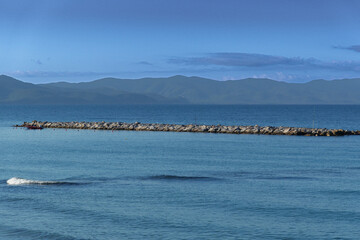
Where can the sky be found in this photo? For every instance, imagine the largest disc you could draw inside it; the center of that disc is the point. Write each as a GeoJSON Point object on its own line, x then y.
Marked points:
{"type": "Point", "coordinates": [83, 40]}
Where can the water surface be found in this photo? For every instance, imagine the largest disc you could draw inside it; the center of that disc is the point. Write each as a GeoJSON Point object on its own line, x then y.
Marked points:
{"type": "Point", "coordinates": [168, 185]}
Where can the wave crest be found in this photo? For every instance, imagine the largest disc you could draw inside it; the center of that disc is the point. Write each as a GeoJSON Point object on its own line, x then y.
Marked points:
{"type": "Point", "coordinates": [23, 181]}
{"type": "Point", "coordinates": [177, 177]}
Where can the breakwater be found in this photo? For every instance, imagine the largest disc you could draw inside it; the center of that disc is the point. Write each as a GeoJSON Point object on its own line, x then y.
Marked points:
{"type": "Point", "coordinates": [266, 130]}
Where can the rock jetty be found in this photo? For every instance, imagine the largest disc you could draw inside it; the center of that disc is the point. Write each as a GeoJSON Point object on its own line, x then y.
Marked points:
{"type": "Point", "coordinates": [267, 130]}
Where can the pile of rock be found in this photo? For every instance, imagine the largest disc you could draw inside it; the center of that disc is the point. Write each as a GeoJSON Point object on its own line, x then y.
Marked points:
{"type": "Point", "coordinates": [268, 130]}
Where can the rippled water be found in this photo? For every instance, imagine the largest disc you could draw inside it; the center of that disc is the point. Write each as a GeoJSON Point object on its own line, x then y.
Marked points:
{"type": "Point", "coordinates": [168, 185]}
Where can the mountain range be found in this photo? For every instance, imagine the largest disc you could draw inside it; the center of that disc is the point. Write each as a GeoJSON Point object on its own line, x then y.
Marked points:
{"type": "Point", "coordinates": [180, 90]}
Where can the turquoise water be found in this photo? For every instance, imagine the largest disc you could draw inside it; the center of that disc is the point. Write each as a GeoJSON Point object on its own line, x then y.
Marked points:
{"type": "Point", "coordinates": [168, 185]}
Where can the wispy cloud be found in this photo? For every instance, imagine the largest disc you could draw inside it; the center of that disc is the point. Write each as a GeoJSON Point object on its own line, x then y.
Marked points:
{"type": "Point", "coordinates": [355, 48]}
{"type": "Point", "coordinates": [37, 61]}
{"type": "Point", "coordinates": [254, 60]}
{"type": "Point", "coordinates": [145, 63]}
{"type": "Point", "coordinates": [239, 59]}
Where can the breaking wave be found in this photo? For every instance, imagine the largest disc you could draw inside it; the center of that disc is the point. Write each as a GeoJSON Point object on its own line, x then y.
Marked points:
{"type": "Point", "coordinates": [23, 181]}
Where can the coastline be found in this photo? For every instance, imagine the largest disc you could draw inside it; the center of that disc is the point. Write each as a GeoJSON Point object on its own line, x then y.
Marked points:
{"type": "Point", "coordinates": [137, 126]}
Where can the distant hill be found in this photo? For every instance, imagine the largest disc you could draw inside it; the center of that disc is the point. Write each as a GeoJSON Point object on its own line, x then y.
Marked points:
{"type": "Point", "coordinates": [13, 91]}
{"type": "Point", "coordinates": [180, 90]}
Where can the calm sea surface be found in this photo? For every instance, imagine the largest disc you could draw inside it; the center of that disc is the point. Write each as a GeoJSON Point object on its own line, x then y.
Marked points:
{"type": "Point", "coordinates": [168, 185]}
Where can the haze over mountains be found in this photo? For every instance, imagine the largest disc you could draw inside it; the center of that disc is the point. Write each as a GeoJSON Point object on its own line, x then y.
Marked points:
{"type": "Point", "coordinates": [180, 90]}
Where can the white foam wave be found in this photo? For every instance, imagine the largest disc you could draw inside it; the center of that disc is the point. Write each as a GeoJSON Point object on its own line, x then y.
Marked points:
{"type": "Point", "coordinates": [22, 181]}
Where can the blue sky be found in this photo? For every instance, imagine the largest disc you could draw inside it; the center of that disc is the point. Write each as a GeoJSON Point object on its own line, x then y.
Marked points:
{"type": "Point", "coordinates": [82, 40]}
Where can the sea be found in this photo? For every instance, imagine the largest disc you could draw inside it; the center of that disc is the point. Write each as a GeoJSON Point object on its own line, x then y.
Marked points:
{"type": "Point", "coordinates": [170, 185]}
